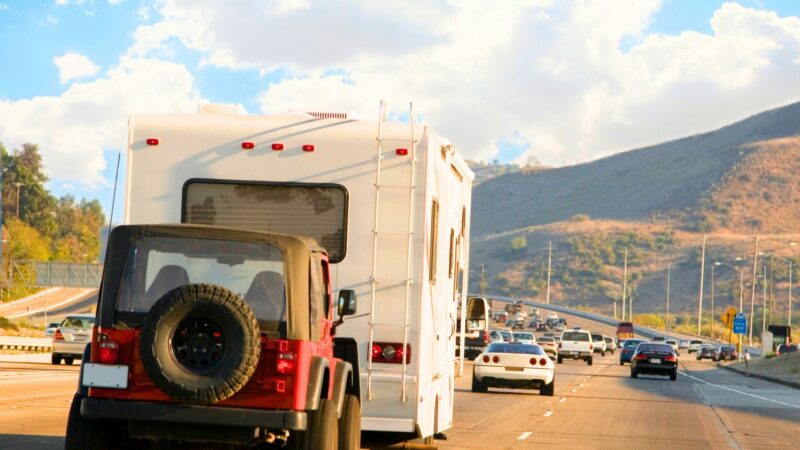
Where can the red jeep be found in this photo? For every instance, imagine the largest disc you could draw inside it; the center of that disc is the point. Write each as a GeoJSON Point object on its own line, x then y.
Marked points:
{"type": "Point", "coordinates": [216, 336]}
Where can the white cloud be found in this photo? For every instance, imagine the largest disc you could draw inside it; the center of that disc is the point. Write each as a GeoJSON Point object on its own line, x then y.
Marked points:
{"type": "Point", "coordinates": [3, 7]}
{"type": "Point", "coordinates": [51, 20]}
{"type": "Point", "coordinates": [72, 65]}
{"type": "Point", "coordinates": [115, 2]}
{"type": "Point", "coordinates": [74, 129]}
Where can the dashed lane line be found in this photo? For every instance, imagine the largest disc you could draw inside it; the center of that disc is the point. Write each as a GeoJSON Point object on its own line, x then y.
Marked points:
{"type": "Point", "coordinates": [548, 413]}
{"type": "Point", "coordinates": [524, 436]}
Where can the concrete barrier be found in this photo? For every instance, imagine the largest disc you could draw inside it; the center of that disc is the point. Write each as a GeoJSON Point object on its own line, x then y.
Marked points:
{"type": "Point", "coordinates": [27, 344]}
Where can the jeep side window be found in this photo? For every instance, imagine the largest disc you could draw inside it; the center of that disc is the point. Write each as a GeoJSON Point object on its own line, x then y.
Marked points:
{"type": "Point", "coordinates": [326, 289]}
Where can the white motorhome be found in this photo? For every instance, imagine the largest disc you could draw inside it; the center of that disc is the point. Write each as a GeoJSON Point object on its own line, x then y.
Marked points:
{"type": "Point", "coordinates": [390, 202]}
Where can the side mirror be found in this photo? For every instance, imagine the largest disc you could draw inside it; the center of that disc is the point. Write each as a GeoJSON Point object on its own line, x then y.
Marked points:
{"type": "Point", "coordinates": [346, 305]}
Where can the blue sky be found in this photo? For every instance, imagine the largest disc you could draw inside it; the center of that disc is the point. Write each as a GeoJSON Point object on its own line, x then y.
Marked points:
{"type": "Point", "coordinates": [524, 87]}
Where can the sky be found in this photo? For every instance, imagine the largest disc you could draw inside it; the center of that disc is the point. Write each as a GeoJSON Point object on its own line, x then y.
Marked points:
{"type": "Point", "coordinates": [560, 81]}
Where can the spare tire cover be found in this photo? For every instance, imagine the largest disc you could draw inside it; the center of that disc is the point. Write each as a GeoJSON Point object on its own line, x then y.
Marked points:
{"type": "Point", "coordinates": [200, 343]}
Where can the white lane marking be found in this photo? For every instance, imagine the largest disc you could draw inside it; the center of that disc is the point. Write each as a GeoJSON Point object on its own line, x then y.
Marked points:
{"type": "Point", "coordinates": [580, 384]}
{"type": "Point", "coordinates": [524, 436]}
{"type": "Point", "coordinates": [562, 400]}
{"type": "Point", "coordinates": [548, 413]}
{"type": "Point", "coordinates": [740, 392]}
{"type": "Point", "coordinates": [574, 390]}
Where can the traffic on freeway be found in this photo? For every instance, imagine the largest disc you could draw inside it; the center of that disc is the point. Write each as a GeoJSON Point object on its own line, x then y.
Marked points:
{"type": "Point", "coordinates": [597, 406]}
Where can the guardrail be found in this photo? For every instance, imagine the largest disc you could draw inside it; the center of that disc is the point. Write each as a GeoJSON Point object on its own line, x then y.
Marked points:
{"type": "Point", "coordinates": [644, 331]}
{"type": "Point", "coordinates": [26, 344]}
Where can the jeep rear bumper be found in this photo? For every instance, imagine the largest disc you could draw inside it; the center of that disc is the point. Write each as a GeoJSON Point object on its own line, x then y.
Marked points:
{"type": "Point", "coordinates": [97, 408]}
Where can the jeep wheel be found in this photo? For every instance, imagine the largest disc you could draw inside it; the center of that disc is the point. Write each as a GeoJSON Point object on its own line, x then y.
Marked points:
{"type": "Point", "coordinates": [322, 431]}
{"type": "Point", "coordinates": [87, 434]}
{"type": "Point", "coordinates": [200, 343]}
{"type": "Point", "coordinates": [350, 424]}
{"type": "Point", "coordinates": [55, 359]}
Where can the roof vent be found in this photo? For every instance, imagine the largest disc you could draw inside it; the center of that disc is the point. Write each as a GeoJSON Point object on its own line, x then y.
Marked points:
{"type": "Point", "coordinates": [220, 108]}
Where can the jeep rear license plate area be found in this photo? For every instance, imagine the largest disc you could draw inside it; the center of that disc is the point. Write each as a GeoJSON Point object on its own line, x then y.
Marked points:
{"type": "Point", "coordinates": [105, 376]}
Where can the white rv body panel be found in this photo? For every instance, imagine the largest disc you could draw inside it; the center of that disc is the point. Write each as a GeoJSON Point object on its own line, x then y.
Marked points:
{"type": "Point", "coordinates": [210, 147]}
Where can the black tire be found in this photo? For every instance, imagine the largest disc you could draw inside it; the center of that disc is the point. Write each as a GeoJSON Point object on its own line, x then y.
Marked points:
{"type": "Point", "coordinates": [87, 434]}
{"type": "Point", "coordinates": [621, 362]}
{"type": "Point", "coordinates": [589, 361]}
{"type": "Point", "coordinates": [229, 362]}
{"type": "Point", "coordinates": [634, 374]}
{"type": "Point", "coordinates": [55, 359]}
{"type": "Point", "coordinates": [350, 424]}
{"type": "Point", "coordinates": [68, 361]}
{"type": "Point", "coordinates": [548, 389]}
{"type": "Point", "coordinates": [477, 386]}
{"type": "Point", "coordinates": [560, 359]}
{"type": "Point", "coordinates": [673, 376]}
{"type": "Point", "coordinates": [603, 353]}
{"type": "Point", "coordinates": [322, 431]}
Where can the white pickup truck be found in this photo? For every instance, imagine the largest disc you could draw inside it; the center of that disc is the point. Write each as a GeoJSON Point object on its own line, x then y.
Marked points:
{"type": "Point", "coordinates": [576, 344]}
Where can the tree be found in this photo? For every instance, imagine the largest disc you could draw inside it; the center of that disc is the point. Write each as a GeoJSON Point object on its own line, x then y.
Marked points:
{"type": "Point", "coordinates": [24, 175]}
{"type": "Point", "coordinates": [518, 243]}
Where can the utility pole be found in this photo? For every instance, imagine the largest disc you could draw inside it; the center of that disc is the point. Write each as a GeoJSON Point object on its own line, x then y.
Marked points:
{"type": "Point", "coordinates": [764, 308]}
{"type": "Point", "coordinates": [771, 283]}
{"type": "Point", "coordinates": [624, 283]}
{"type": "Point", "coordinates": [711, 321]}
{"type": "Point", "coordinates": [17, 184]}
{"type": "Point", "coordinates": [700, 297]}
{"type": "Point", "coordinates": [741, 303]}
{"type": "Point", "coordinates": [790, 293]}
{"type": "Point", "coordinates": [549, 260]}
{"type": "Point", "coordinates": [753, 296]}
{"type": "Point", "coordinates": [669, 268]}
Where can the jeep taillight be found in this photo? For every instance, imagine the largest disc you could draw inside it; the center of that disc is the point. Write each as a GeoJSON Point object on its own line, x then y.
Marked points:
{"type": "Point", "coordinates": [107, 352]}
{"type": "Point", "coordinates": [390, 352]}
{"type": "Point", "coordinates": [57, 336]}
{"type": "Point", "coordinates": [285, 363]}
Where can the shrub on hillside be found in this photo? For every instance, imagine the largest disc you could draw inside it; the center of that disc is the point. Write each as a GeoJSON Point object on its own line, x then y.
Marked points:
{"type": "Point", "coordinates": [7, 324]}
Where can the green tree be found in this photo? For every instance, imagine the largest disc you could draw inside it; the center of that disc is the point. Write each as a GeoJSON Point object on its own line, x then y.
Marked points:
{"type": "Point", "coordinates": [518, 244]}
{"type": "Point", "coordinates": [24, 175]}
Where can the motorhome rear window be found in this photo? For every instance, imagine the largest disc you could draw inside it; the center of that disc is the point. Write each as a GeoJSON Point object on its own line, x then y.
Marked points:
{"type": "Point", "coordinates": [318, 211]}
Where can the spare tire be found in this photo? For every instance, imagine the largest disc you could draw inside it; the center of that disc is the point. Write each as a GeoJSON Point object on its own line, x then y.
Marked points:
{"type": "Point", "coordinates": [200, 343]}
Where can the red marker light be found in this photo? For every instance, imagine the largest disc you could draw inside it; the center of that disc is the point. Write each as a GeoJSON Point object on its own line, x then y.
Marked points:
{"type": "Point", "coordinates": [152, 141]}
{"type": "Point", "coordinates": [486, 358]}
{"type": "Point", "coordinates": [533, 361]}
{"type": "Point", "coordinates": [308, 148]}
{"type": "Point", "coordinates": [277, 146]}
{"type": "Point", "coordinates": [248, 145]}
{"type": "Point", "coordinates": [542, 361]}
{"type": "Point", "coordinates": [401, 151]}
{"type": "Point", "coordinates": [495, 359]}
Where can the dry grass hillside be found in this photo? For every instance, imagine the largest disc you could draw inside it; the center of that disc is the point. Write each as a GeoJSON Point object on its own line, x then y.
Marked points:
{"type": "Point", "coordinates": [666, 180]}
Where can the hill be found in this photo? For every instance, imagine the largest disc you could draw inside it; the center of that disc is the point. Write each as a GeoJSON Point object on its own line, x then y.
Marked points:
{"type": "Point", "coordinates": [658, 202]}
{"type": "Point", "coordinates": [666, 180]}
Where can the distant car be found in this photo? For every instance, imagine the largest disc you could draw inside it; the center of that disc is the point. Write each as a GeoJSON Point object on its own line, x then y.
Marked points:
{"type": "Point", "coordinates": [576, 345]}
{"type": "Point", "coordinates": [562, 320]}
{"type": "Point", "coordinates": [552, 315]}
{"type": "Point", "coordinates": [516, 366]}
{"type": "Point", "coordinates": [599, 344]}
{"type": "Point", "coordinates": [540, 326]}
{"type": "Point", "coordinates": [694, 345]}
{"type": "Point", "coordinates": [499, 336]}
{"type": "Point", "coordinates": [628, 347]}
{"type": "Point", "coordinates": [71, 337]}
{"type": "Point", "coordinates": [577, 328]}
{"type": "Point", "coordinates": [658, 339]}
{"type": "Point", "coordinates": [707, 351]}
{"type": "Point", "coordinates": [727, 353]}
{"type": "Point", "coordinates": [654, 359]}
{"type": "Point", "coordinates": [51, 328]}
{"type": "Point", "coordinates": [510, 322]}
{"type": "Point", "coordinates": [560, 327]}
{"type": "Point", "coordinates": [551, 323]}
{"type": "Point", "coordinates": [683, 344]}
{"type": "Point", "coordinates": [674, 344]}
{"type": "Point", "coordinates": [786, 348]}
{"type": "Point", "coordinates": [549, 345]}
{"type": "Point", "coordinates": [611, 346]}
{"type": "Point", "coordinates": [518, 325]}
{"type": "Point", "coordinates": [525, 337]}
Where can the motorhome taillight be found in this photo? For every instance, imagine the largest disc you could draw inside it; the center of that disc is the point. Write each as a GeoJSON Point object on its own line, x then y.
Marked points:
{"type": "Point", "coordinates": [390, 352]}
{"type": "Point", "coordinates": [285, 363]}
{"type": "Point", "coordinates": [108, 352]}
{"type": "Point", "coordinates": [308, 148]}
{"type": "Point", "coordinates": [57, 336]}
{"type": "Point", "coordinates": [152, 141]}
{"type": "Point", "coordinates": [248, 145]}
{"type": "Point", "coordinates": [401, 151]}
{"type": "Point", "coordinates": [485, 337]}
{"type": "Point", "coordinates": [277, 146]}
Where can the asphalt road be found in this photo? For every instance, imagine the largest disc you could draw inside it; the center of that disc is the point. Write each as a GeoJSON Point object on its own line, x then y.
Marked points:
{"type": "Point", "coordinates": [57, 301]}
{"type": "Point", "coordinates": [596, 406]}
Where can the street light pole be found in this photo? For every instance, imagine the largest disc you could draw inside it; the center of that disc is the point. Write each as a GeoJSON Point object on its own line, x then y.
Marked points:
{"type": "Point", "coordinates": [700, 295]}
{"type": "Point", "coordinates": [624, 283]}
{"type": "Point", "coordinates": [711, 321]}
{"type": "Point", "coordinates": [753, 295]}
{"type": "Point", "coordinates": [764, 308]}
{"type": "Point", "coordinates": [549, 260]}
{"type": "Point", "coordinates": [669, 268]}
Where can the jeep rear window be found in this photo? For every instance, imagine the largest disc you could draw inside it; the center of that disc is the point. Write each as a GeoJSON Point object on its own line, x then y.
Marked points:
{"type": "Point", "coordinates": [315, 210]}
{"type": "Point", "coordinates": [157, 265]}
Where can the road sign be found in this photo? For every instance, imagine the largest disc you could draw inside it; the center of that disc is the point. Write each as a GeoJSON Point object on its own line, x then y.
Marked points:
{"type": "Point", "coordinates": [728, 316]}
{"type": "Point", "coordinates": [740, 324]}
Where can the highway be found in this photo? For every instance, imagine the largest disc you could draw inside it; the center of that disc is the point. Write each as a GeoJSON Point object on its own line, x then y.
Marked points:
{"type": "Point", "coordinates": [58, 302]}
{"type": "Point", "coordinates": [596, 406]}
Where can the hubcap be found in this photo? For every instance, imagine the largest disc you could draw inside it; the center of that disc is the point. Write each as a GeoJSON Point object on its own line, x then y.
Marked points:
{"type": "Point", "coordinates": [198, 344]}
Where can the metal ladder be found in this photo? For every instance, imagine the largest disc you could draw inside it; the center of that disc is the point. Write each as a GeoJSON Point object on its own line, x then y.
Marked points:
{"type": "Point", "coordinates": [375, 240]}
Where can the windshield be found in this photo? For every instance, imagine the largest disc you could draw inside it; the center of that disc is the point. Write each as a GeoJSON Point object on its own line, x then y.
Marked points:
{"type": "Point", "coordinates": [630, 343]}
{"type": "Point", "coordinates": [525, 336]}
{"type": "Point", "coordinates": [515, 348]}
{"type": "Point", "coordinates": [597, 337]}
{"type": "Point", "coordinates": [575, 336]}
{"type": "Point", "coordinates": [544, 340]}
{"type": "Point", "coordinates": [506, 334]}
{"type": "Point", "coordinates": [77, 322]}
{"type": "Point", "coordinates": [654, 348]}
{"type": "Point", "coordinates": [157, 265]}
